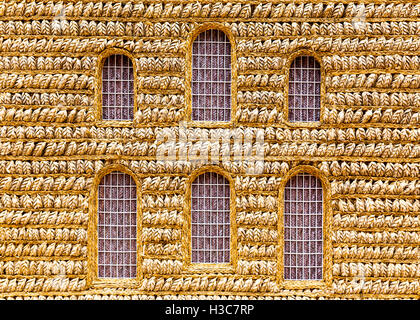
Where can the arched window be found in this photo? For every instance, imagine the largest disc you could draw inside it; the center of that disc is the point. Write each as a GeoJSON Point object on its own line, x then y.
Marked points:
{"type": "Point", "coordinates": [303, 228]}
{"type": "Point", "coordinates": [210, 219]}
{"type": "Point", "coordinates": [211, 77]}
{"type": "Point", "coordinates": [117, 88]}
{"type": "Point", "coordinates": [117, 226]}
{"type": "Point", "coordinates": [304, 90]}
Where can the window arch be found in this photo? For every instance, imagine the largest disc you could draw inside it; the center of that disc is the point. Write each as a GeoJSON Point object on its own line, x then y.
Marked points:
{"type": "Point", "coordinates": [210, 219]}
{"type": "Point", "coordinates": [303, 228]}
{"type": "Point", "coordinates": [117, 88]}
{"type": "Point", "coordinates": [117, 226]}
{"type": "Point", "coordinates": [211, 77]}
{"type": "Point", "coordinates": [304, 90]}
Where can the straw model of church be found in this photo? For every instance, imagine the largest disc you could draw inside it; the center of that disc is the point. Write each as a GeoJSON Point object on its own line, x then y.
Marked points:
{"type": "Point", "coordinates": [209, 149]}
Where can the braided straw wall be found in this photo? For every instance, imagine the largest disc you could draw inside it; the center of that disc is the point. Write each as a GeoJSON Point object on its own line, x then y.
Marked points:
{"type": "Point", "coordinates": [366, 148]}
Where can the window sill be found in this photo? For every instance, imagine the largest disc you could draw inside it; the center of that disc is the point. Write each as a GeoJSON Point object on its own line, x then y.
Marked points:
{"type": "Point", "coordinates": [209, 124]}
{"type": "Point", "coordinates": [302, 284]}
{"type": "Point", "coordinates": [225, 268]}
{"type": "Point", "coordinates": [303, 124]}
{"type": "Point", "coordinates": [115, 283]}
{"type": "Point", "coordinates": [114, 123]}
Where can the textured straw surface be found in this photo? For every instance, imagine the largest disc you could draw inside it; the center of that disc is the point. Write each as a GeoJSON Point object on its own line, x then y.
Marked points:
{"type": "Point", "coordinates": [55, 147]}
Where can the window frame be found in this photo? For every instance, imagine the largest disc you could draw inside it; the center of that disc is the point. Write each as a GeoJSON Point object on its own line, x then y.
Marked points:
{"type": "Point", "coordinates": [99, 86]}
{"type": "Point", "coordinates": [188, 78]}
{"type": "Point", "coordinates": [194, 268]}
{"type": "Point", "coordinates": [327, 242]}
{"type": "Point", "coordinates": [288, 65]}
{"type": "Point", "coordinates": [93, 280]}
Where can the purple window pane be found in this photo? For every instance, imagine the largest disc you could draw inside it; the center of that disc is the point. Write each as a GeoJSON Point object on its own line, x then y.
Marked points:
{"type": "Point", "coordinates": [211, 77]}
{"type": "Point", "coordinates": [304, 89]}
{"type": "Point", "coordinates": [117, 88]}
{"type": "Point", "coordinates": [303, 228]}
{"type": "Point", "coordinates": [210, 219]}
{"type": "Point", "coordinates": [117, 227]}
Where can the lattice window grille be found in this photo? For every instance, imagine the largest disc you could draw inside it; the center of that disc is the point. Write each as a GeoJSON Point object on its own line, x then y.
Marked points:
{"type": "Point", "coordinates": [211, 77]}
{"type": "Point", "coordinates": [304, 90]}
{"type": "Point", "coordinates": [210, 219]}
{"type": "Point", "coordinates": [117, 88]}
{"type": "Point", "coordinates": [303, 228]}
{"type": "Point", "coordinates": [117, 226]}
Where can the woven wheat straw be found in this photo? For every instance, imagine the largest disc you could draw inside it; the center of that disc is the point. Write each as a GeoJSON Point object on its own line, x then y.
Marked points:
{"type": "Point", "coordinates": [54, 147]}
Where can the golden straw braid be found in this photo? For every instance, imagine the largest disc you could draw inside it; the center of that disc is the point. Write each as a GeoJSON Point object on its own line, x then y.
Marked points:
{"type": "Point", "coordinates": [53, 146]}
{"type": "Point", "coordinates": [151, 10]}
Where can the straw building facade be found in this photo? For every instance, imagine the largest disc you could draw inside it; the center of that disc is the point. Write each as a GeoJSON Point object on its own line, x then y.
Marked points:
{"type": "Point", "coordinates": [68, 141]}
